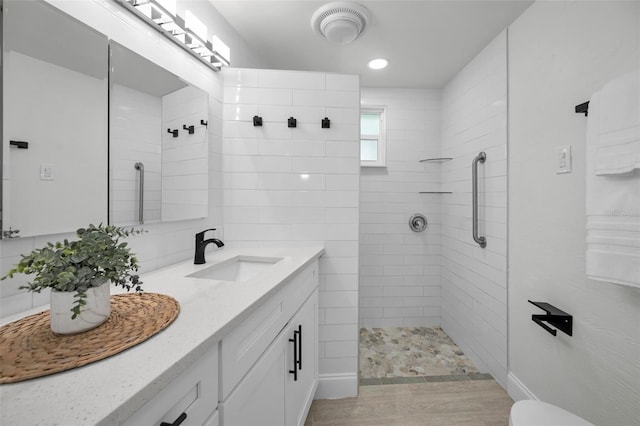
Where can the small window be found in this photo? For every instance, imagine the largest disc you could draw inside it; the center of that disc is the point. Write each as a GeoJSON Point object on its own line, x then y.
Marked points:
{"type": "Point", "coordinates": [372, 137]}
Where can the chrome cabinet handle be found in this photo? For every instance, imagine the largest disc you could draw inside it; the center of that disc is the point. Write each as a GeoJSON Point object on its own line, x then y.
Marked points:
{"type": "Point", "coordinates": [140, 168]}
{"type": "Point", "coordinates": [480, 158]}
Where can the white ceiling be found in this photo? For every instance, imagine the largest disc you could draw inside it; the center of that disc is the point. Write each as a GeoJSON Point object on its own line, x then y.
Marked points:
{"type": "Point", "coordinates": [426, 41]}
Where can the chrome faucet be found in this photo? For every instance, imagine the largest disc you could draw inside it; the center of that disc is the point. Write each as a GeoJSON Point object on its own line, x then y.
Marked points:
{"type": "Point", "coordinates": [201, 244]}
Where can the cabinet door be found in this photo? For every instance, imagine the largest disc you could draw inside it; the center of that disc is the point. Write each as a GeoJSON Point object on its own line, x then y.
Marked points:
{"type": "Point", "coordinates": [301, 355]}
{"type": "Point", "coordinates": [259, 398]}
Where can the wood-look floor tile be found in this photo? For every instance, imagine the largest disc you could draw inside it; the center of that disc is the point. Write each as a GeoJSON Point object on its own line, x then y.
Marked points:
{"type": "Point", "coordinates": [478, 403]}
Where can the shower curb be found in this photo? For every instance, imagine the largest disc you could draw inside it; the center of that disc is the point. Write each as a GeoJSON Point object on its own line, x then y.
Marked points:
{"type": "Point", "coordinates": [372, 381]}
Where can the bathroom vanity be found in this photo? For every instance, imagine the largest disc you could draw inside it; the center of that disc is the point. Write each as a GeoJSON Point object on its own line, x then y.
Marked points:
{"type": "Point", "coordinates": [243, 350]}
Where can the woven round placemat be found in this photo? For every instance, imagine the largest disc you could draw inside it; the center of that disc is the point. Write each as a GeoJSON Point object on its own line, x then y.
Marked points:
{"type": "Point", "coordinates": [29, 349]}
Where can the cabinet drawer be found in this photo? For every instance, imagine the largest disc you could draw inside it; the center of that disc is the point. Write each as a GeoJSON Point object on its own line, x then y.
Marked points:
{"type": "Point", "coordinates": [194, 393]}
{"type": "Point", "coordinates": [242, 347]}
{"type": "Point", "coordinates": [300, 287]}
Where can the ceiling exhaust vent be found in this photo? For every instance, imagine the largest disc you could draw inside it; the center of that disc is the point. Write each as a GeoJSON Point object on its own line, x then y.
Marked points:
{"type": "Point", "coordinates": [340, 22]}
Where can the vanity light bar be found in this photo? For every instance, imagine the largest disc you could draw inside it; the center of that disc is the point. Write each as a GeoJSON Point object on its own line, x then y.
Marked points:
{"type": "Point", "coordinates": [174, 28]}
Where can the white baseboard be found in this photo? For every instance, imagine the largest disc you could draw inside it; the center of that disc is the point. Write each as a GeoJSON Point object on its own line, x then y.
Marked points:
{"type": "Point", "coordinates": [333, 386]}
{"type": "Point", "coordinates": [517, 390]}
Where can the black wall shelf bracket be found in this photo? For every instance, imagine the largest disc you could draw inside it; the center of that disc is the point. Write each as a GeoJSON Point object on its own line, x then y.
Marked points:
{"type": "Point", "coordinates": [257, 121]}
{"type": "Point", "coordinates": [190, 129]}
{"type": "Point", "coordinates": [19, 144]}
{"type": "Point", "coordinates": [292, 122]}
{"type": "Point", "coordinates": [174, 132]}
{"type": "Point", "coordinates": [554, 316]}
{"type": "Point", "coordinates": [583, 108]}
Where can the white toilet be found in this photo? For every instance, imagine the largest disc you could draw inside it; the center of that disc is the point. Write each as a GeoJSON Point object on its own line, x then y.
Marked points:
{"type": "Point", "coordinates": [537, 413]}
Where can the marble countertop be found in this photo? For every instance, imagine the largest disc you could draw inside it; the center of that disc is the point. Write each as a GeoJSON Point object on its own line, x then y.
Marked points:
{"type": "Point", "coordinates": [109, 391]}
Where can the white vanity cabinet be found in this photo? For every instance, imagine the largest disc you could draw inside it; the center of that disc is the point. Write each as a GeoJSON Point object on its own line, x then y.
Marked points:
{"type": "Point", "coordinates": [190, 399]}
{"type": "Point", "coordinates": [278, 388]}
{"type": "Point", "coordinates": [259, 398]}
{"type": "Point", "coordinates": [301, 361]}
{"type": "Point", "coordinates": [225, 360]}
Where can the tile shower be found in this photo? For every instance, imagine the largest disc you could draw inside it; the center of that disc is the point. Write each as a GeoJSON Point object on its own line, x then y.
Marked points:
{"type": "Point", "coordinates": [439, 277]}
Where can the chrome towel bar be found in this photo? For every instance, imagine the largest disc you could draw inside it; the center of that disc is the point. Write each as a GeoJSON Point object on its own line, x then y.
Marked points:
{"type": "Point", "coordinates": [480, 158]}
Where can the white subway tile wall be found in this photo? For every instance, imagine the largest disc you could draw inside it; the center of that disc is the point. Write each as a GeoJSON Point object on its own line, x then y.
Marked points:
{"type": "Point", "coordinates": [399, 268]}
{"type": "Point", "coordinates": [474, 280]}
{"type": "Point", "coordinates": [300, 186]}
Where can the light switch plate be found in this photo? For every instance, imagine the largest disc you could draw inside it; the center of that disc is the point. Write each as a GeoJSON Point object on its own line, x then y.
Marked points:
{"type": "Point", "coordinates": [46, 172]}
{"type": "Point", "coordinates": [563, 156]}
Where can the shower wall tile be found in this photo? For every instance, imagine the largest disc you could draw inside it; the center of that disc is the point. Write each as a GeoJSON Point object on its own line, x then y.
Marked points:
{"type": "Point", "coordinates": [399, 269]}
{"type": "Point", "coordinates": [300, 186]}
{"type": "Point", "coordinates": [291, 79]}
{"type": "Point", "coordinates": [474, 280]}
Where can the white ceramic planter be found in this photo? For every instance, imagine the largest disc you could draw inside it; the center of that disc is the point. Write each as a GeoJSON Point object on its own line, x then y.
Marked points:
{"type": "Point", "coordinates": [94, 313]}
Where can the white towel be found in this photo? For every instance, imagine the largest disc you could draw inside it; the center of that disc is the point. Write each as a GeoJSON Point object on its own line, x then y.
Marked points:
{"type": "Point", "coordinates": [618, 144]}
{"type": "Point", "coordinates": [613, 212]}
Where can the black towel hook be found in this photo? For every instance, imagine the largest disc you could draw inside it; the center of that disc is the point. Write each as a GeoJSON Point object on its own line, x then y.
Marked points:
{"type": "Point", "coordinates": [583, 108]}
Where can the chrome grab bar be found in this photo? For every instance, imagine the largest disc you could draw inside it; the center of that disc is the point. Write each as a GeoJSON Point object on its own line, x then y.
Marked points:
{"type": "Point", "coordinates": [482, 241]}
{"type": "Point", "coordinates": [140, 167]}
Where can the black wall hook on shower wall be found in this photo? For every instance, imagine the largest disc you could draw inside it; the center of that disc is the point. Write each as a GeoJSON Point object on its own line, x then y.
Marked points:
{"type": "Point", "coordinates": [554, 316]}
{"type": "Point", "coordinates": [583, 108]}
{"type": "Point", "coordinates": [174, 132]}
{"type": "Point", "coordinates": [326, 123]}
{"type": "Point", "coordinates": [292, 122]}
{"type": "Point", "coordinates": [191, 129]}
{"type": "Point", "coordinates": [204, 123]}
{"type": "Point", "coordinates": [257, 121]}
{"type": "Point", "coordinates": [19, 144]}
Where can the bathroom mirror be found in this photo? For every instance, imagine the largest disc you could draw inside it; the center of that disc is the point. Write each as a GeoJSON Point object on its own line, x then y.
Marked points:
{"type": "Point", "coordinates": [158, 143]}
{"type": "Point", "coordinates": [55, 121]}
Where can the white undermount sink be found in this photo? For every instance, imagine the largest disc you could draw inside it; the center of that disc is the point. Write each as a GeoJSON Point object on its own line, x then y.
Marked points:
{"type": "Point", "coordinates": [238, 268]}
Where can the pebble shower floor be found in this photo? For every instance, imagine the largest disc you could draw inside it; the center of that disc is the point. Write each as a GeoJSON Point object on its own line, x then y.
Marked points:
{"type": "Point", "coordinates": [411, 355]}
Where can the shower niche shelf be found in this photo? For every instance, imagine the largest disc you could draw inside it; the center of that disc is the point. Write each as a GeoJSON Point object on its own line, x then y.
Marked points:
{"type": "Point", "coordinates": [435, 160]}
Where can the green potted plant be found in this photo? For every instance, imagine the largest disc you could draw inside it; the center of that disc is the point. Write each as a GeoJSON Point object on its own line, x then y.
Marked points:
{"type": "Point", "coordinates": [79, 274]}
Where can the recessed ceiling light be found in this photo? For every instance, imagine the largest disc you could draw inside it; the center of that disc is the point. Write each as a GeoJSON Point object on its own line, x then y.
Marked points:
{"type": "Point", "coordinates": [378, 64]}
